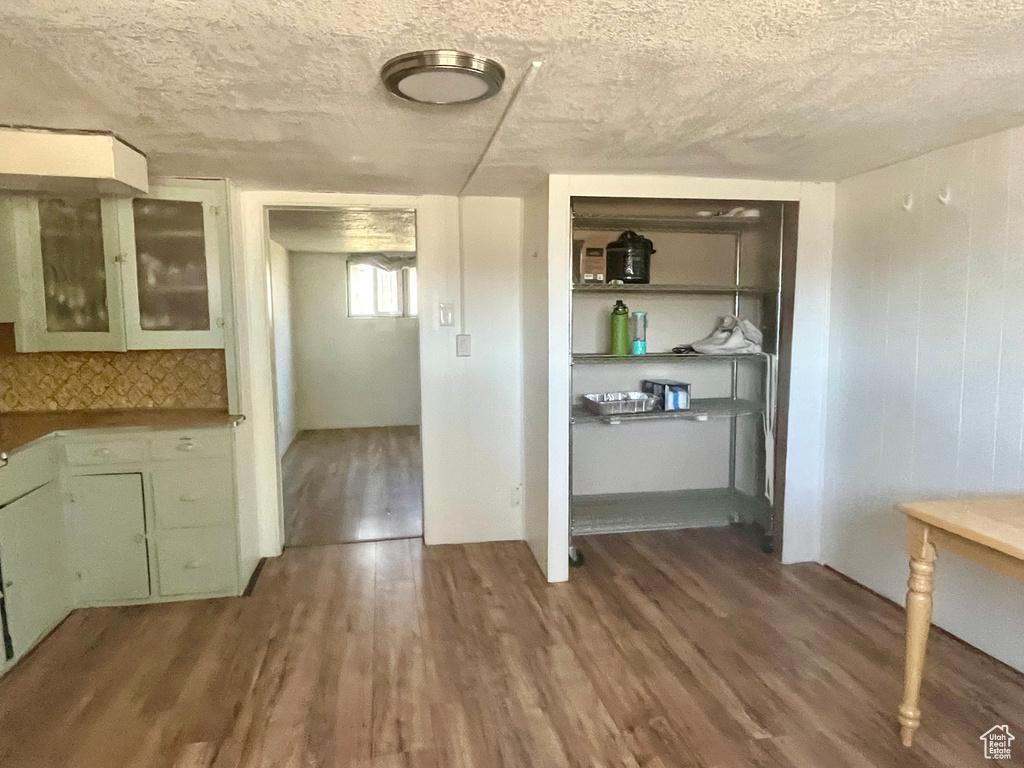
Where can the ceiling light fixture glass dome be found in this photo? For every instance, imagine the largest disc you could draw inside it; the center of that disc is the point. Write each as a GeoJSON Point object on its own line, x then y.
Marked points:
{"type": "Point", "coordinates": [442, 77]}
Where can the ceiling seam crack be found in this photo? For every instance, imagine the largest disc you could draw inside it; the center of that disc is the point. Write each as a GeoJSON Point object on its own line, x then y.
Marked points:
{"type": "Point", "coordinates": [527, 76]}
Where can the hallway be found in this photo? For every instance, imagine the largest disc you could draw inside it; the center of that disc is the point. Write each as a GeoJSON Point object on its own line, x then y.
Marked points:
{"type": "Point", "coordinates": [348, 485]}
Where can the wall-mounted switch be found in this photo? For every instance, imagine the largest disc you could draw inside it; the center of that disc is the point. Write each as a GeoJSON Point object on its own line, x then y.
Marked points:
{"type": "Point", "coordinates": [462, 345]}
{"type": "Point", "coordinates": [447, 314]}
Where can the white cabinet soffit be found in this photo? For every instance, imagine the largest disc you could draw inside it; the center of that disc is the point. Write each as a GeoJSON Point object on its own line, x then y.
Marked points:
{"type": "Point", "coordinates": [75, 162]}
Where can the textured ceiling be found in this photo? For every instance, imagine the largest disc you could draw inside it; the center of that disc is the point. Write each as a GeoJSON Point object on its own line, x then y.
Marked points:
{"type": "Point", "coordinates": [284, 93]}
{"type": "Point", "coordinates": [344, 230]}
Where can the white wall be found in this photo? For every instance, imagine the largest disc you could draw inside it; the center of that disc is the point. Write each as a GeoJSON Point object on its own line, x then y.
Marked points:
{"type": "Point", "coordinates": [349, 371]}
{"type": "Point", "coordinates": [471, 407]}
{"type": "Point", "coordinates": [926, 381]}
{"type": "Point", "coordinates": [281, 309]}
{"type": "Point", "coordinates": [475, 408]}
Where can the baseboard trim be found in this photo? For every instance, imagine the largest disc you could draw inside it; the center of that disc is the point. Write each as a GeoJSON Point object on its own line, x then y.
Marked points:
{"type": "Point", "coordinates": [254, 578]}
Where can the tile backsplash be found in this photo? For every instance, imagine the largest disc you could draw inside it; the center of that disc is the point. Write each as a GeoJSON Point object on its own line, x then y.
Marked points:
{"type": "Point", "coordinates": [66, 381]}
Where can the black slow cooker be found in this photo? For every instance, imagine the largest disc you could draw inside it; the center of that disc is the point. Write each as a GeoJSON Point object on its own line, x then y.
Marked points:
{"type": "Point", "coordinates": [629, 259]}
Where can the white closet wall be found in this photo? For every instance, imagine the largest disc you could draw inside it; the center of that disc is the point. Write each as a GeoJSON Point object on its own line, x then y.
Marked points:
{"type": "Point", "coordinates": [926, 370]}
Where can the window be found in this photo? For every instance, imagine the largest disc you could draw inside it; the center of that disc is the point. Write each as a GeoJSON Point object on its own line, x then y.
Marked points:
{"type": "Point", "coordinates": [375, 292]}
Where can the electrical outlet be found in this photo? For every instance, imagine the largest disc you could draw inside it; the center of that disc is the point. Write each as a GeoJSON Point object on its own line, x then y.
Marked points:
{"type": "Point", "coordinates": [462, 345]}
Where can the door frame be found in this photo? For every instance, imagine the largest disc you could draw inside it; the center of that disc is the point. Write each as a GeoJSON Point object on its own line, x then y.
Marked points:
{"type": "Point", "coordinates": [808, 369]}
{"type": "Point", "coordinates": [259, 468]}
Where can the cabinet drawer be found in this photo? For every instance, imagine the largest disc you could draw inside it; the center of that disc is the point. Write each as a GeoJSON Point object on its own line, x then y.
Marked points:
{"type": "Point", "coordinates": [107, 452]}
{"type": "Point", "coordinates": [193, 492]}
{"type": "Point", "coordinates": [179, 445]}
{"type": "Point", "coordinates": [197, 561]}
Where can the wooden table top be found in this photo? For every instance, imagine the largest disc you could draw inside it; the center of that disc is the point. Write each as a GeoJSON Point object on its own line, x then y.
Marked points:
{"type": "Point", "coordinates": [996, 522]}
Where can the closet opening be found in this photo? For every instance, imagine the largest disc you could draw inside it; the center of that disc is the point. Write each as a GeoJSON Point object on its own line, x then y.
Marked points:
{"type": "Point", "coordinates": [345, 314]}
{"type": "Point", "coordinates": [680, 336]}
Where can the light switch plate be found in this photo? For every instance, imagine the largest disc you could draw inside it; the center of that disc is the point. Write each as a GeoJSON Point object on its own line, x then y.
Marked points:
{"type": "Point", "coordinates": [447, 314]}
{"type": "Point", "coordinates": [462, 345]}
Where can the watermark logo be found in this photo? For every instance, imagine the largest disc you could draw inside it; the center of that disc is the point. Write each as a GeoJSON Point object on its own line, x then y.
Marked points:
{"type": "Point", "coordinates": [997, 742]}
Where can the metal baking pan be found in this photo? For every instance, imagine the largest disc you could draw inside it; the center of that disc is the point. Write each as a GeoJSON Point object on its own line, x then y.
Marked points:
{"type": "Point", "coordinates": [614, 403]}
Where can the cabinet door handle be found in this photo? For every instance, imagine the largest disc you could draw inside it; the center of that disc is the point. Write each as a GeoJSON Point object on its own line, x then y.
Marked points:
{"type": "Point", "coordinates": [193, 565]}
{"type": "Point", "coordinates": [102, 452]}
{"type": "Point", "coordinates": [187, 447]}
{"type": "Point", "coordinates": [188, 498]}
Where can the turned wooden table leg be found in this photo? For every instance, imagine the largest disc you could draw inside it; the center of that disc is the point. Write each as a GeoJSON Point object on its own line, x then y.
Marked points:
{"type": "Point", "coordinates": [919, 619]}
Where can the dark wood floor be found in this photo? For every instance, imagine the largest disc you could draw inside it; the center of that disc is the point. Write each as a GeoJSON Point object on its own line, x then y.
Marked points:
{"type": "Point", "coordinates": [345, 485]}
{"type": "Point", "coordinates": [666, 649]}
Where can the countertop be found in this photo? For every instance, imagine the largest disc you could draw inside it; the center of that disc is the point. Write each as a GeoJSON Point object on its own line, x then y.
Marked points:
{"type": "Point", "coordinates": [18, 430]}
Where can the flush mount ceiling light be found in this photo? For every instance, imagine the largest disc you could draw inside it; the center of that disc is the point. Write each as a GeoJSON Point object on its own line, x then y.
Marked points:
{"type": "Point", "coordinates": [442, 77]}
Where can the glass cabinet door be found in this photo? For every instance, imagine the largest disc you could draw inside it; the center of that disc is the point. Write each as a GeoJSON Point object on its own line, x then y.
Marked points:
{"type": "Point", "coordinates": [74, 270]}
{"type": "Point", "coordinates": [172, 281]}
{"type": "Point", "coordinates": [67, 250]}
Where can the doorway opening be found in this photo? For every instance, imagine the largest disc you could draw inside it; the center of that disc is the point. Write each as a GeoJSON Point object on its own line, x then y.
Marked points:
{"type": "Point", "coordinates": [345, 317]}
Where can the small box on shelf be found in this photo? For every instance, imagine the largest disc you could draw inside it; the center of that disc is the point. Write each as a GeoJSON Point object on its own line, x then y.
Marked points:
{"type": "Point", "coordinates": [589, 263]}
{"type": "Point", "coordinates": [672, 395]}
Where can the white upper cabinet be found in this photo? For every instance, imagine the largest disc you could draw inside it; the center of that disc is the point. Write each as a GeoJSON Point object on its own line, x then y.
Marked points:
{"type": "Point", "coordinates": [69, 279]}
{"type": "Point", "coordinates": [172, 291]}
{"type": "Point", "coordinates": [109, 274]}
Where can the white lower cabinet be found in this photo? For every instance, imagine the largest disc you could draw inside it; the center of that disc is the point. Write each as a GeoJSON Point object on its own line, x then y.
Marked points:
{"type": "Point", "coordinates": [191, 493]}
{"type": "Point", "coordinates": [108, 524]}
{"type": "Point", "coordinates": [154, 515]}
{"type": "Point", "coordinates": [102, 517]}
{"type": "Point", "coordinates": [194, 561]}
{"type": "Point", "coordinates": [36, 587]}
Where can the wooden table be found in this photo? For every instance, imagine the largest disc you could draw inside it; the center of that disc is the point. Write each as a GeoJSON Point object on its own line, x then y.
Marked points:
{"type": "Point", "coordinates": [986, 529]}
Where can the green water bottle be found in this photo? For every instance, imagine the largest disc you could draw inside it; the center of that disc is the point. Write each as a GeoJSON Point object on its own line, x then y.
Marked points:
{"type": "Point", "coordinates": [620, 328]}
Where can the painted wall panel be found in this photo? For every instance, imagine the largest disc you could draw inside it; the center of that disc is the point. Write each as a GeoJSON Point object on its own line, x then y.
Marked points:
{"type": "Point", "coordinates": [926, 371]}
{"type": "Point", "coordinates": [472, 417]}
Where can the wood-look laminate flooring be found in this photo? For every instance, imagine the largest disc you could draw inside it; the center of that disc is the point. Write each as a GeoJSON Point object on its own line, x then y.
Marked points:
{"type": "Point", "coordinates": [687, 648]}
{"type": "Point", "coordinates": [345, 485]}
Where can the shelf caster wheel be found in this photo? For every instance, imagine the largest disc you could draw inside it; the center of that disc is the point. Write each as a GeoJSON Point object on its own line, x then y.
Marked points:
{"type": "Point", "coordinates": [576, 558]}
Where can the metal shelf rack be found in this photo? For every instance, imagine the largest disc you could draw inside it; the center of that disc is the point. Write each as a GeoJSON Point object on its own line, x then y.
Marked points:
{"type": "Point", "coordinates": [665, 510]}
{"type": "Point", "coordinates": [692, 290]}
{"type": "Point", "coordinates": [597, 222]}
{"type": "Point", "coordinates": [661, 357]}
{"type": "Point", "coordinates": [701, 409]}
{"type": "Point", "coordinates": [697, 507]}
